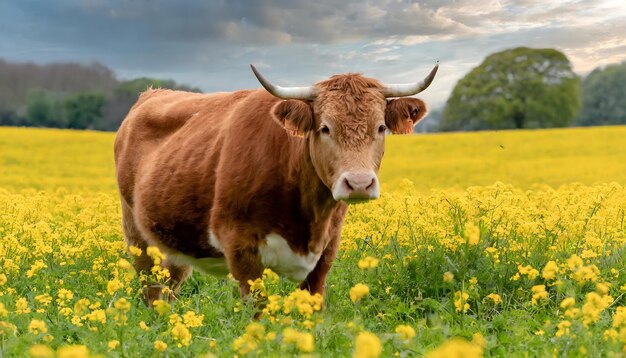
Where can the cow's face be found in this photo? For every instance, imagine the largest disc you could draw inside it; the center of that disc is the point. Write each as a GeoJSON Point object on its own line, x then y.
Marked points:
{"type": "Point", "coordinates": [345, 127]}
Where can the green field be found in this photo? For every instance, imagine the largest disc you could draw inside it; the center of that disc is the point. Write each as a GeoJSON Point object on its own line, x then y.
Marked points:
{"type": "Point", "coordinates": [505, 243]}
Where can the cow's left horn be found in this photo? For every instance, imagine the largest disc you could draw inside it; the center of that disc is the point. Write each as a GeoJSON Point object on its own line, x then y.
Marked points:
{"type": "Point", "coordinates": [285, 92]}
{"type": "Point", "coordinates": [409, 89]}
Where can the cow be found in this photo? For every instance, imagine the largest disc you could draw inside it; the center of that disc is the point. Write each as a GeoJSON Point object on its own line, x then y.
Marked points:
{"type": "Point", "coordinates": [235, 182]}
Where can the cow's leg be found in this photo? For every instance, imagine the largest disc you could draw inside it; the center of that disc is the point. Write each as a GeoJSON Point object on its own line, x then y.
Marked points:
{"type": "Point", "coordinates": [315, 282]}
{"type": "Point", "coordinates": [142, 263]}
{"type": "Point", "coordinates": [242, 256]}
{"type": "Point", "coordinates": [178, 275]}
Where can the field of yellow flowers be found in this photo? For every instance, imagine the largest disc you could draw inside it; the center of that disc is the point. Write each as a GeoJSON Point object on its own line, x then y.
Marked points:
{"type": "Point", "coordinates": [494, 244]}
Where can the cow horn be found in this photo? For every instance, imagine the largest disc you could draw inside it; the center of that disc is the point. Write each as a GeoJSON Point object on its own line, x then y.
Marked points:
{"type": "Point", "coordinates": [285, 92]}
{"type": "Point", "coordinates": [409, 89]}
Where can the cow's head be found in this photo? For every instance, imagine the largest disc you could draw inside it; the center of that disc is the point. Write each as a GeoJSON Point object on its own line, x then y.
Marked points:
{"type": "Point", "coordinates": [344, 120]}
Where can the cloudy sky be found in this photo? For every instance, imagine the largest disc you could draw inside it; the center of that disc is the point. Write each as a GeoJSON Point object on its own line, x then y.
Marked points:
{"type": "Point", "coordinates": [210, 43]}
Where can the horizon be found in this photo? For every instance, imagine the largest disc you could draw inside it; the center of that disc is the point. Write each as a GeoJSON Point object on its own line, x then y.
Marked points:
{"type": "Point", "coordinates": [210, 45]}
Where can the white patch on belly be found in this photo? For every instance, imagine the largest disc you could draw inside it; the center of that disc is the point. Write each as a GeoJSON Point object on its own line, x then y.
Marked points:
{"type": "Point", "coordinates": [213, 241]}
{"type": "Point", "coordinates": [277, 255]}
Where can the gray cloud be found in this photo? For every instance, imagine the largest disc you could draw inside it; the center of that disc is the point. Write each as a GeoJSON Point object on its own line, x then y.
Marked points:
{"type": "Point", "coordinates": [210, 43]}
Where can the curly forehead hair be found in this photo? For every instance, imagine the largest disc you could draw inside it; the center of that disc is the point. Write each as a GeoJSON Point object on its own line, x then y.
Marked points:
{"type": "Point", "coordinates": [357, 94]}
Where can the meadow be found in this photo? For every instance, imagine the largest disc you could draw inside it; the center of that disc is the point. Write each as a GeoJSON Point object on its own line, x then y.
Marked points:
{"type": "Point", "coordinates": [506, 243]}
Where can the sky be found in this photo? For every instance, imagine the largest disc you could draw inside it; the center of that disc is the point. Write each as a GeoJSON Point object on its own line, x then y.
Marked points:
{"type": "Point", "coordinates": [210, 44]}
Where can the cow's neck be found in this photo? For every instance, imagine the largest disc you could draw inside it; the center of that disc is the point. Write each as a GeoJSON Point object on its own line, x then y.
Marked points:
{"type": "Point", "coordinates": [317, 200]}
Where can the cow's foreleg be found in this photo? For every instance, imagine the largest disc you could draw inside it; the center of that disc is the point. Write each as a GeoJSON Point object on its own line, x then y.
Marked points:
{"type": "Point", "coordinates": [242, 257]}
{"type": "Point", "coordinates": [315, 282]}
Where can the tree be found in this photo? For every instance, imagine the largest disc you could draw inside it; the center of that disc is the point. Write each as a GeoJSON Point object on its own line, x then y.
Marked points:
{"type": "Point", "coordinates": [83, 109]}
{"type": "Point", "coordinates": [518, 88]}
{"type": "Point", "coordinates": [604, 96]}
{"type": "Point", "coordinates": [44, 110]}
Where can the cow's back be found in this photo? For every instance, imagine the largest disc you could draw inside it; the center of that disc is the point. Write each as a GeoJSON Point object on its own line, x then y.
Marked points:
{"type": "Point", "coordinates": [166, 152]}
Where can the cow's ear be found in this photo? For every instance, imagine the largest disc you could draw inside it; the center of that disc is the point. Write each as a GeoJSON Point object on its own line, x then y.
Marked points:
{"type": "Point", "coordinates": [294, 115]}
{"type": "Point", "coordinates": [402, 114]}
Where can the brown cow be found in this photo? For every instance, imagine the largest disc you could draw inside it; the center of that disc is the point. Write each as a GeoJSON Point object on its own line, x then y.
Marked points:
{"type": "Point", "coordinates": [235, 182]}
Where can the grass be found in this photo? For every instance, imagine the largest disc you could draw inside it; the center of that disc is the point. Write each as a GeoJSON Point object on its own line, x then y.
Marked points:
{"type": "Point", "coordinates": [463, 263]}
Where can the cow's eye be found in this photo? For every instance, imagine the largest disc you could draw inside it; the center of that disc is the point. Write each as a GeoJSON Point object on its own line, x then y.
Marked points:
{"type": "Point", "coordinates": [325, 130]}
{"type": "Point", "coordinates": [382, 128]}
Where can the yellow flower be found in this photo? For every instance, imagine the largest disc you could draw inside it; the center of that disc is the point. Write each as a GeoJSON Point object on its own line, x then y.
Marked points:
{"type": "Point", "coordinates": [257, 287]}
{"type": "Point", "coordinates": [113, 344]}
{"type": "Point", "coordinates": [122, 304]}
{"type": "Point", "coordinates": [359, 291]}
{"type": "Point", "coordinates": [143, 326]}
{"type": "Point", "coordinates": [586, 274]}
{"type": "Point", "coordinates": [539, 293]}
{"type": "Point", "coordinates": [306, 343]}
{"type": "Point", "coordinates": [245, 344]}
{"type": "Point", "coordinates": [563, 329]}
{"type": "Point", "coordinates": [162, 307]}
{"type": "Point", "coordinates": [528, 271]}
{"type": "Point", "coordinates": [593, 307]}
{"type": "Point", "coordinates": [270, 275]}
{"type": "Point", "coordinates": [40, 351]}
{"type": "Point", "coordinates": [114, 285]}
{"type": "Point", "coordinates": [192, 320]}
{"type": "Point", "coordinates": [21, 306]}
{"type": "Point", "coordinates": [3, 279]}
{"type": "Point", "coordinates": [456, 347]}
{"type": "Point", "coordinates": [367, 345]}
{"type": "Point", "coordinates": [73, 352]}
{"type": "Point", "coordinates": [568, 302]}
{"type": "Point", "coordinates": [602, 288]}
{"type": "Point", "coordinates": [619, 318]}
{"type": "Point", "coordinates": [368, 263]}
{"type": "Point", "coordinates": [181, 335]}
{"type": "Point", "coordinates": [405, 332]}
{"type": "Point", "coordinates": [550, 270]}
{"type": "Point", "coordinates": [472, 233]}
{"type": "Point", "coordinates": [3, 311]}
{"type": "Point", "coordinates": [495, 298]}
{"type": "Point", "coordinates": [448, 276]}
{"type": "Point", "coordinates": [160, 345]}
{"type": "Point", "coordinates": [134, 250]}
{"type": "Point", "coordinates": [302, 300]}
{"type": "Point", "coordinates": [479, 340]}
{"type": "Point", "coordinates": [574, 262]}
{"type": "Point", "coordinates": [460, 301]}
{"type": "Point", "coordinates": [156, 254]}
{"type": "Point", "coordinates": [610, 334]}
{"type": "Point", "coordinates": [255, 330]}
{"type": "Point", "coordinates": [303, 340]}
{"type": "Point", "coordinates": [37, 326]}
{"type": "Point", "coordinates": [65, 294]}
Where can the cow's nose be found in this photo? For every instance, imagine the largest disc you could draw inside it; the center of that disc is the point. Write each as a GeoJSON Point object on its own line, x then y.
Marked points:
{"type": "Point", "coordinates": [356, 186]}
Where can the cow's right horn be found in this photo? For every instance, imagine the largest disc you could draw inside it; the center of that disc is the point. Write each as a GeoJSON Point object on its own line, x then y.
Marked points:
{"type": "Point", "coordinates": [285, 92]}
{"type": "Point", "coordinates": [409, 89]}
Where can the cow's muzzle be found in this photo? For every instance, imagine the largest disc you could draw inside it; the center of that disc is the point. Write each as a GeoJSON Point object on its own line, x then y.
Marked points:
{"type": "Point", "coordinates": [356, 186]}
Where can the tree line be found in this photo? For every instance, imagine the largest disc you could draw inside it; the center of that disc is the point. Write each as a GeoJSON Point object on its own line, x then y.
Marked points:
{"type": "Point", "coordinates": [69, 95]}
{"type": "Point", "coordinates": [516, 88]}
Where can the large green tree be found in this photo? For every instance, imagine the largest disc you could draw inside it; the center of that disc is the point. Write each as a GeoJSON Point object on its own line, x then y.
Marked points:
{"type": "Point", "coordinates": [518, 88]}
{"type": "Point", "coordinates": [604, 96]}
